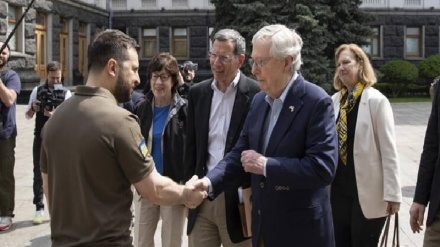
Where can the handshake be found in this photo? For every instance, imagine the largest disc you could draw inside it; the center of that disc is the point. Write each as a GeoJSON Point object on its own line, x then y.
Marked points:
{"type": "Point", "coordinates": [195, 191]}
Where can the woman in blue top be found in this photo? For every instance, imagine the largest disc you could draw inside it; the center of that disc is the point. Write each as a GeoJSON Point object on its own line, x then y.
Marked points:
{"type": "Point", "coordinates": [162, 118]}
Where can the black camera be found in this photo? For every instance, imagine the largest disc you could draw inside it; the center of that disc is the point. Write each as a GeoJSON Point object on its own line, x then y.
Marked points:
{"type": "Point", "coordinates": [188, 66]}
{"type": "Point", "coordinates": [49, 100]}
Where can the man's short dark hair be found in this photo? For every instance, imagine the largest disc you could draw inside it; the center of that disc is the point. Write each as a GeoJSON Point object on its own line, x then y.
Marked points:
{"type": "Point", "coordinates": [109, 44]}
{"type": "Point", "coordinates": [53, 66]}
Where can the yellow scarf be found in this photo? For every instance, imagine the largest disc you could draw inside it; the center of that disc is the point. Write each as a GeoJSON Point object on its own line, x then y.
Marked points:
{"type": "Point", "coordinates": [347, 102]}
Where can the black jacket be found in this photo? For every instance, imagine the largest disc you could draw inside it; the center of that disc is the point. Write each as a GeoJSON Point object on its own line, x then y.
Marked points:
{"type": "Point", "coordinates": [196, 149]}
{"type": "Point", "coordinates": [174, 134]}
{"type": "Point", "coordinates": [428, 179]}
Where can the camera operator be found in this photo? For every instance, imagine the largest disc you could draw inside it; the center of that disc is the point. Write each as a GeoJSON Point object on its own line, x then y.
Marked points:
{"type": "Point", "coordinates": [10, 87]}
{"type": "Point", "coordinates": [42, 102]}
{"type": "Point", "coordinates": [188, 72]}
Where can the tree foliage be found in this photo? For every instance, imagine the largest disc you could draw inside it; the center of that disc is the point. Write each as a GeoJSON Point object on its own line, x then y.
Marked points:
{"type": "Point", "coordinates": [399, 74]}
{"type": "Point", "coordinates": [322, 24]}
{"type": "Point", "coordinates": [430, 67]}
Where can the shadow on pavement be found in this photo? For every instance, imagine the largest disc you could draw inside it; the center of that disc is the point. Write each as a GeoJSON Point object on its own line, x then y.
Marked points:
{"type": "Point", "coordinates": [40, 241]}
{"type": "Point", "coordinates": [22, 224]}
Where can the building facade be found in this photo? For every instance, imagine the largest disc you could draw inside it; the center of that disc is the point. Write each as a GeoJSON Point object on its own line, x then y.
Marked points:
{"type": "Point", "coordinates": [51, 30]}
{"type": "Point", "coordinates": [61, 29]}
{"type": "Point", "coordinates": [403, 29]}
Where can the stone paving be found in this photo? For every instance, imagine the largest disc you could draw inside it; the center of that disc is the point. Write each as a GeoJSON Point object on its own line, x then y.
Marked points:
{"type": "Point", "coordinates": [410, 120]}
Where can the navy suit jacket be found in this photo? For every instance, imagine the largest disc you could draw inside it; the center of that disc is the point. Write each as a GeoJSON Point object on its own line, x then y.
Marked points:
{"type": "Point", "coordinates": [428, 179]}
{"type": "Point", "coordinates": [196, 148]}
{"type": "Point", "coordinates": [290, 206]}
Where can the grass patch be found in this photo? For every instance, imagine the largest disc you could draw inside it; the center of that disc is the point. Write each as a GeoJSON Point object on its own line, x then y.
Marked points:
{"type": "Point", "coordinates": [409, 99]}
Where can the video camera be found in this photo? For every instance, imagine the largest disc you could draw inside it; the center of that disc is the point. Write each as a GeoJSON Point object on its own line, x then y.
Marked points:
{"type": "Point", "coordinates": [188, 65]}
{"type": "Point", "coordinates": [50, 99]}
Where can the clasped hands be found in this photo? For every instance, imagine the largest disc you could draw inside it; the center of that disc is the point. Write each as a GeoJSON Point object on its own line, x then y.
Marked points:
{"type": "Point", "coordinates": [251, 161]}
{"type": "Point", "coordinates": [193, 196]}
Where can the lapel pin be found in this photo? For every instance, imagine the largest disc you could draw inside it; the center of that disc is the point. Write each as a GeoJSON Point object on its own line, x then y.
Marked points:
{"type": "Point", "coordinates": [291, 108]}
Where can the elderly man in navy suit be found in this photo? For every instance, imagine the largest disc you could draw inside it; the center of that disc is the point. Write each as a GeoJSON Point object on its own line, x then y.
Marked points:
{"type": "Point", "coordinates": [289, 146]}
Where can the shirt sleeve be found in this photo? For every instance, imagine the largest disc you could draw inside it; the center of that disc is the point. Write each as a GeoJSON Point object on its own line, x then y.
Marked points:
{"type": "Point", "coordinates": [131, 150]}
{"type": "Point", "coordinates": [32, 98]}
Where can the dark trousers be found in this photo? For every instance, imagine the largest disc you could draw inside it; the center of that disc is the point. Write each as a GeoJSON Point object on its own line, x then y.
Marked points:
{"type": "Point", "coordinates": [38, 181]}
{"type": "Point", "coordinates": [7, 180]}
{"type": "Point", "coordinates": [352, 229]}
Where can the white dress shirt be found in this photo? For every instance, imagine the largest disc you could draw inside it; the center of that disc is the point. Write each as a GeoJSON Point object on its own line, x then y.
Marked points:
{"type": "Point", "coordinates": [219, 119]}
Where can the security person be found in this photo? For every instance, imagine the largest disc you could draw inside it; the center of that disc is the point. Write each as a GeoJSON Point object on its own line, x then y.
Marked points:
{"type": "Point", "coordinates": [51, 90]}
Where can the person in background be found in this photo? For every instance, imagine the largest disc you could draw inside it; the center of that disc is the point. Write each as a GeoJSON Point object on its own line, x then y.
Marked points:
{"type": "Point", "coordinates": [188, 72]}
{"type": "Point", "coordinates": [366, 187]}
{"type": "Point", "coordinates": [93, 151]}
{"type": "Point", "coordinates": [162, 119]}
{"type": "Point", "coordinates": [136, 98]}
{"type": "Point", "coordinates": [428, 180]}
{"type": "Point", "coordinates": [217, 108]}
{"type": "Point", "coordinates": [10, 87]}
{"type": "Point", "coordinates": [42, 103]}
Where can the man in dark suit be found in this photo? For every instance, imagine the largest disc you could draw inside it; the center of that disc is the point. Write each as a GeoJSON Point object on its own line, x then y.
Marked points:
{"type": "Point", "coordinates": [289, 146]}
{"type": "Point", "coordinates": [428, 181]}
{"type": "Point", "coordinates": [217, 109]}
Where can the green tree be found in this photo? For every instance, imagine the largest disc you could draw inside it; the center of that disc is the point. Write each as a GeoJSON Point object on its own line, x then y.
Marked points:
{"type": "Point", "coordinates": [430, 67]}
{"type": "Point", "coordinates": [322, 24]}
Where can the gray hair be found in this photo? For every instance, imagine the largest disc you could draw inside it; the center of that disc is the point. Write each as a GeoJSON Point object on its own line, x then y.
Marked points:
{"type": "Point", "coordinates": [285, 42]}
{"type": "Point", "coordinates": [235, 37]}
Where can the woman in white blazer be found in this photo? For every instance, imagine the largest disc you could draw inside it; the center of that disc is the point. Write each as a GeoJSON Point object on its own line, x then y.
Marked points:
{"type": "Point", "coordinates": [366, 187]}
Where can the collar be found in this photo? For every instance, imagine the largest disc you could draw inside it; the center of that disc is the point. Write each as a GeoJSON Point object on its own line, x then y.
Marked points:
{"type": "Point", "coordinates": [84, 90]}
{"type": "Point", "coordinates": [286, 89]}
{"type": "Point", "coordinates": [232, 85]}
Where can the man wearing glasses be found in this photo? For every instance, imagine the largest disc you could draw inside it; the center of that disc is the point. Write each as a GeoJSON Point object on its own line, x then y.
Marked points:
{"type": "Point", "coordinates": [217, 108]}
{"type": "Point", "coordinates": [288, 144]}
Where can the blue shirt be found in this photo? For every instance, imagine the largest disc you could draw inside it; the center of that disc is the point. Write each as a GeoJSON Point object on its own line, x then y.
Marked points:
{"type": "Point", "coordinates": [160, 116]}
{"type": "Point", "coordinates": [12, 81]}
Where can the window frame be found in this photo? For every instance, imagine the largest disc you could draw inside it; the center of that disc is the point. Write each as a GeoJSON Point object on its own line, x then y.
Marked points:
{"type": "Point", "coordinates": [419, 38]}
{"type": "Point", "coordinates": [179, 38]}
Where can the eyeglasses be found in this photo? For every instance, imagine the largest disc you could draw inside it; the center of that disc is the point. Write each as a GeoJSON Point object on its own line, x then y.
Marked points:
{"type": "Point", "coordinates": [162, 77]}
{"type": "Point", "coordinates": [258, 63]}
{"type": "Point", "coordinates": [221, 58]}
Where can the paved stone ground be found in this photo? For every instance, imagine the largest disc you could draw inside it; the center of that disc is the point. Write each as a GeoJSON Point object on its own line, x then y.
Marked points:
{"type": "Point", "coordinates": [410, 119]}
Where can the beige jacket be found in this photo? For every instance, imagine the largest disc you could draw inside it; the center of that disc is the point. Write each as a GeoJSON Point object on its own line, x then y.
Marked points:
{"type": "Point", "coordinates": [375, 154]}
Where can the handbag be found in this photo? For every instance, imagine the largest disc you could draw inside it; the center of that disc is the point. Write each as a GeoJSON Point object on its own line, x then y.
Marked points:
{"type": "Point", "coordinates": [396, 239]}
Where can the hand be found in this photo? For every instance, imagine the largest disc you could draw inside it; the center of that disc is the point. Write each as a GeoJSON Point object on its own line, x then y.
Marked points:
{"type": "Point", "coordinates": [180, 79]}
{"type": "Point", "coordinates": [253, 162]}
{"type": "Point", "coordinates": [36, 106]}
{"type": "Point", "coordinates": [193, 197]}
{"type": "Point", "coordinates": [393, 207]}
{"type": "Point", "coordinates": [197, 184]}
{"type": "Point", "coordinates": [416, 217]}
{"type": "Point", "coordinates": [48, 113]}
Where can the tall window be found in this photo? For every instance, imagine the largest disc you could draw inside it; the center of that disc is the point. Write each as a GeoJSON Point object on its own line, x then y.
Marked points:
{"type": "Point", "coordinates": [119, 4]}
{"type": "Point", "coordinates": [413, 42]}
{"type": "Point", "coordinates": [374, 43]}
{"type": "Point", "coordinates": [13, 16]}
{"type": "Point", "coordinates": [40, 38]}
{"type": "Point", "coordinates": [64, 47]}
{"type": "Point", "coordinates": [180, 42]}
{"type": "Point", "coordinates": [148, 3]}
{"type": "Point", "coordinates": [82, 48]}
{"type": "Point", "coordinates": [180, 3]}
{"type": "Point", "coordinates": [149, 41]}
